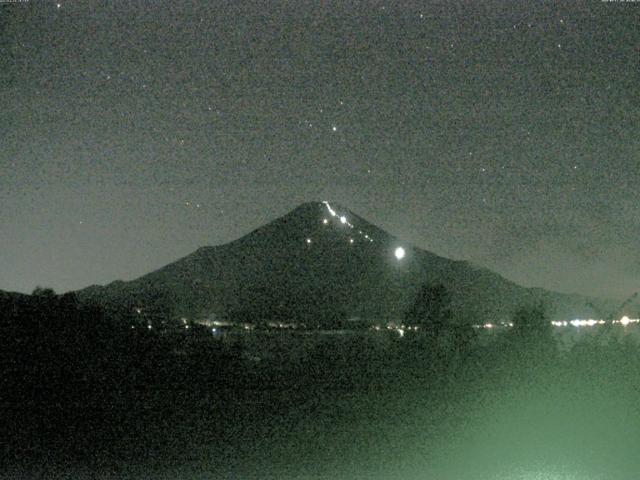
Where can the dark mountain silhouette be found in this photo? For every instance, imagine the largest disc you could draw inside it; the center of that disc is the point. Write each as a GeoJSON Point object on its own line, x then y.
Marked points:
{"type": "Point", "coordinates": [321, 264]}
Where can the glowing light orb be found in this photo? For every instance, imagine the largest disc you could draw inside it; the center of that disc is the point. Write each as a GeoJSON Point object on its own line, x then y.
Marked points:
{"type": "Point", "coordinates": [343, 219]}
{"type": "Point", "coordinates": [399, 253]}
{"type": "Point", "coordinates": [308, 241]}
{"type": "Point", "coordinates": [325, 221]}
{"type": "Point", "coordinates": [625, 321]}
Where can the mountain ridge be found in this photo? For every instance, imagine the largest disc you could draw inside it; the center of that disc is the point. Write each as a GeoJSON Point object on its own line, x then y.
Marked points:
{"type": "Point", "coordinates": [323, 261]}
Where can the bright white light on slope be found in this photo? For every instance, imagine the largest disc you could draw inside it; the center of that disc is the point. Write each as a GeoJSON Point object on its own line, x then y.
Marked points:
{"type": "Point", "coordinates": [625, 320]}
{"type": "Point", "coordinates": [343, 220]}
{"type": "Point", "coordinates": [331, 210]}
{"type": "Point", "coordinates": [399, 253]}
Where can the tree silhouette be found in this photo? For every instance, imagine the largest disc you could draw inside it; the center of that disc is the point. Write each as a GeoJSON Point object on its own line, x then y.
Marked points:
{"type": "Point", "coordinates": [532, 322]}
{"type": "Point", "coordinates": [43, 292]}
{"type": "Point", "coordinates": [431, 309]}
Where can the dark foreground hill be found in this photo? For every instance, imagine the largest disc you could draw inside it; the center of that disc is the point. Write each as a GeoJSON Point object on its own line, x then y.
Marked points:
{"type": "Point", "coordinates": [321, 264]}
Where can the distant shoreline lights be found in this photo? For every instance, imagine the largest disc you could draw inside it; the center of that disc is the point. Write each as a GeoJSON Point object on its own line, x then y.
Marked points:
{"type": "Point", "coordinates": [624, 321]}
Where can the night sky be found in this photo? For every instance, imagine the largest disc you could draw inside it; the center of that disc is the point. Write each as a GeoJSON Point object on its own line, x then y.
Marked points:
{"type": "Point", "coordinates": [504, 133]}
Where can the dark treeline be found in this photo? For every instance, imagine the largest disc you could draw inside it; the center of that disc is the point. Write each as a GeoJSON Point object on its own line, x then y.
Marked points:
{"type": "Point", "coordinates": [77, 380]}
{"type": "Point", "coordinates": [74, 375]}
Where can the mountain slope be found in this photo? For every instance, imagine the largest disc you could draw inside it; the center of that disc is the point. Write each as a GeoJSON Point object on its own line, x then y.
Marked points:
{"type": "Point", "coordinates": [319, 264]}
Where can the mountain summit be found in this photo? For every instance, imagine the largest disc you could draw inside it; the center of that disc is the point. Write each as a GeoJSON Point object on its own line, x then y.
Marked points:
{"type": "Point", "coordinates": [321, 264]}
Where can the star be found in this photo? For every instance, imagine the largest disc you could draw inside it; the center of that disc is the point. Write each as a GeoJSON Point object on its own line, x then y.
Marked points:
{"type": "Point", "coordinates": [334, 128]}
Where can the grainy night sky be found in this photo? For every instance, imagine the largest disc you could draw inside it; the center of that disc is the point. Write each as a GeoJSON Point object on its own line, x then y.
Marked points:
{"type": "Point", "coordinates": [505, 133]}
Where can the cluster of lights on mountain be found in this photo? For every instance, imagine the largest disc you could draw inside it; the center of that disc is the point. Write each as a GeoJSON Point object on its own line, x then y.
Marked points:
{"type": "Point", "coordinates": [344, 221]}
{"type": "Point", "coordinates": [399, 252]}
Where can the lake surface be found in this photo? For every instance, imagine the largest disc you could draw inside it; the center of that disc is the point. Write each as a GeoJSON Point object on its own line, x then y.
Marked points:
{"type": "Point", "coordinates": [350, 406]}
